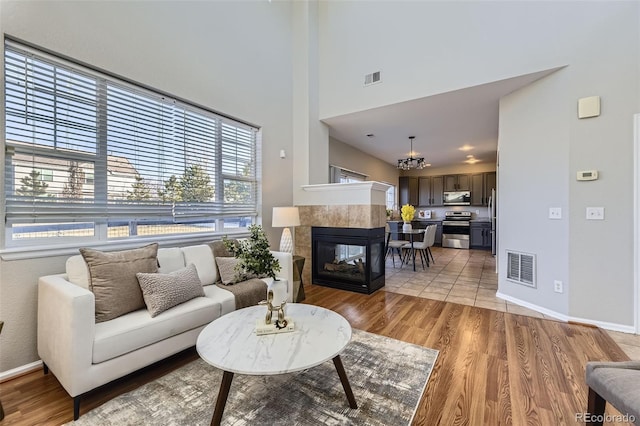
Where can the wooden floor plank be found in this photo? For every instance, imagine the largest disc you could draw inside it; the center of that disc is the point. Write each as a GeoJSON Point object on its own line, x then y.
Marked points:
{"type": "Point", "coordinates": [494, 368]}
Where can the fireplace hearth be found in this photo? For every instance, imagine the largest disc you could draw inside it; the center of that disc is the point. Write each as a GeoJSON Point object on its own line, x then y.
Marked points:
{"type": "Point", "coordinates": [348, 258]}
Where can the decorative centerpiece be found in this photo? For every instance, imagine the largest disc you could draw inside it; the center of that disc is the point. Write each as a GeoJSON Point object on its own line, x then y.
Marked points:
{"type": "Point", "coordinates": [281, 325]}
{"type": "Point", "coordinates": [407, 212]}
{"type": "Point", "coordinates": [257, 261]}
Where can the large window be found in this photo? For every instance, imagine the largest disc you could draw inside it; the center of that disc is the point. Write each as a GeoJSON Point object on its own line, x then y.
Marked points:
{"type": "Point", "coordinates": [90, 157]}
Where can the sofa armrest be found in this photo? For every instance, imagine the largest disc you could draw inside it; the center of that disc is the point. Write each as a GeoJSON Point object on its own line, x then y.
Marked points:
{"type": "Point", "coordinates": [286, 270]}
{"type": "Point", "coordinates": [66, 324]}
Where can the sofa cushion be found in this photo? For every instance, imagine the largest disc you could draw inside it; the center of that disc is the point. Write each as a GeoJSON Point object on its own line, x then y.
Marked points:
{"type": "Point", "coordinates": [202, 257]}
{"type": "Point", "coordinates": [170, 259]}
{"type": "Point", "coordinates": [227, 268]}
{"type": "Point", "coordinates": [113, 279]}
{"type": "Point", "coordinates": [77, 271]}
{"type": "Point", "coordinates": [137, 329]}
{"type": "Point", "coordinates": [225, 298]}
{"type": "Point", "coordinates": [164, 291]}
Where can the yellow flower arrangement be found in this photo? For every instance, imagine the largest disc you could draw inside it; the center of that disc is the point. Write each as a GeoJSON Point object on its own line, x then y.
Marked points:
{"type": "Point", "coordinates": [407, 212]}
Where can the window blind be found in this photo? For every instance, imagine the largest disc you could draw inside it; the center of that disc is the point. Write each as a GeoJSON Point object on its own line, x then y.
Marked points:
{"type": "Point", "coordinates": [85, 147]}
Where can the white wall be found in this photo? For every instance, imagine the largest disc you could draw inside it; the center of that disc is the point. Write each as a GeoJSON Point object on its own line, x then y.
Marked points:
{"type": "Point", "coordinates": [425, 48]}
{"type": "Point", "coordinates": [232, 57]}
{"type": "Point", "coordinates": [534, 157]}
{"type": "Point", "coordinates": [348, 157]}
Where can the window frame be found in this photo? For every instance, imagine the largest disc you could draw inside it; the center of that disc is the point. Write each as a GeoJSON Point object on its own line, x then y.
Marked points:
{"type": "Point", "coordinates": [10, 247]}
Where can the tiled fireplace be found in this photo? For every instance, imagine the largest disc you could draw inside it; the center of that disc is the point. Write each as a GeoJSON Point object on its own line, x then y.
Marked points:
{"type": "Point", "coordinates": [348, 258]}
{"type": "Point", "coordinates": [359, 206]}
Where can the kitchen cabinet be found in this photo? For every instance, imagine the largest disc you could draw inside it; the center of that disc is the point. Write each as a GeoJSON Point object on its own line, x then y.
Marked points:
{"type": "Point", "coordinates": [424, 191]}
{"type": "Point", "coordinates": [481, 186]}
{"type": "Point", "coordinates": [477, 189]}
{"type": "Point", "coordinates": [489, 184]}
{"type": "Point", "coordinates": [437, 190]}
{"type": "Point", "coordinates": [430, 191]}
{"type": "Point", "coordinates": [408, 190]}
{"type": "Point", "coordinates": [457, 182]}
{"type": "Point", "coordinates": [480, 235]}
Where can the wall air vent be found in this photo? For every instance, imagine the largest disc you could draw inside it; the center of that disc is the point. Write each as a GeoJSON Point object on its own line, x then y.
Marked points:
{"type": "Point", "coordinates": [372, 78]}
{"type": "Point", "coordinates": [521, 268]}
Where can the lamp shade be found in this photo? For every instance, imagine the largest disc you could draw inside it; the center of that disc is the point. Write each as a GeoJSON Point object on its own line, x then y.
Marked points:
{"type": "Point", "coordinates": [285, 216]}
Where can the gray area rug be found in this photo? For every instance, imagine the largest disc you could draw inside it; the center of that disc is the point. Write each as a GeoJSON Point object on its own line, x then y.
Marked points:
{"type": "Point", "coordinates": [387, 376]}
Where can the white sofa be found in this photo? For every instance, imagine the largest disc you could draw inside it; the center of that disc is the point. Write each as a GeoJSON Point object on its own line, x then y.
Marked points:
{"type": "Point", "coordinates": [84, 354]}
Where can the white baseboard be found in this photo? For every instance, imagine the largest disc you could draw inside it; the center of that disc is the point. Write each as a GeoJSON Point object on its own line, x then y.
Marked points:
{"type": "Point", "coordinates": [607, 325]}
{"type": "Point", "coordinates": [19, 371]}
{"type": "Point", "coordinates": [533, 307]}
{"type": "Point", "coordinates": [562, 317]}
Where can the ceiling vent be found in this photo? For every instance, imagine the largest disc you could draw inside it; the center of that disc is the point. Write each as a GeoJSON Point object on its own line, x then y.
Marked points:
{"type": "Point", "coordinates": [521, 268]}
{"type": "Point", "coordinates": [372, 78]}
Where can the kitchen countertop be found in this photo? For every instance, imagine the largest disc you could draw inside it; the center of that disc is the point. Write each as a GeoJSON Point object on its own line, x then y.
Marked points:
{"type": "Point", "coordinates": [482, 220]}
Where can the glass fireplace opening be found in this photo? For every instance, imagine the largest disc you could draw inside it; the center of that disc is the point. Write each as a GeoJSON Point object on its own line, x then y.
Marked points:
{"type": "Point", "coordinates": [348, 258]}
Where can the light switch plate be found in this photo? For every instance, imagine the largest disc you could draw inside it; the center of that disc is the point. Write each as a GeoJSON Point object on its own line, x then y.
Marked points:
{"type": "Point", "coordinates": [595, 213]}
{"type": "Point", "coordinates": [555, 213]}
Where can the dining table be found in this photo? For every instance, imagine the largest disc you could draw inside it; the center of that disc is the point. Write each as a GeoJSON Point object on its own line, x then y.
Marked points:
{"type": "Point", "coordinates": [411, 233]}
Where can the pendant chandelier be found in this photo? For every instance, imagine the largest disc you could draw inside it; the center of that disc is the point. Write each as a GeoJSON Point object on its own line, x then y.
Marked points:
{"type": "Point", "coordinates": [411, 162]}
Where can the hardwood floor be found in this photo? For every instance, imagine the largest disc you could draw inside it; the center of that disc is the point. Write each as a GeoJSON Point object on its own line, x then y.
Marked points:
{"type": "Point", "coordinates": [493, 368]}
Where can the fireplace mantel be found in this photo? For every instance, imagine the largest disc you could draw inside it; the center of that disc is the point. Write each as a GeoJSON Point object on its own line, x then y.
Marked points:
{"type": "Point", "coordinates": [356, 193]}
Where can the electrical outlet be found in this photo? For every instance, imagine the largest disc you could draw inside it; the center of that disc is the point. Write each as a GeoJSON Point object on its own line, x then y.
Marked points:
{"type": "Point", "coordinates": [595, 213]}
{"type": "Point", "coordinates": [477, 211]}
{"type": "Point", "coordinates": [557, 286]}
{"type": "Point", "coordinates": [555, 213]}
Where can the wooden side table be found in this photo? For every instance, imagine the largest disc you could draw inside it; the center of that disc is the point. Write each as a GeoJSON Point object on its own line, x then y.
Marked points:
{"type": "Point", "coordinates": [298, 287]}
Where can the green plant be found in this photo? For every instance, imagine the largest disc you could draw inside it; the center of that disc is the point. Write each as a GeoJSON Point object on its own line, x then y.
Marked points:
{"type": "Point", "coordinates": [253, 252]}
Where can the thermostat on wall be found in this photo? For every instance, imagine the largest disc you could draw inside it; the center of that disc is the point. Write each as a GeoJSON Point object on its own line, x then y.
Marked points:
{"type": "Point", "coordinates": [588, 175]}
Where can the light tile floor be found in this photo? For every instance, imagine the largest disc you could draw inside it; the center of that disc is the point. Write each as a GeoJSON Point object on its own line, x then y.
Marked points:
{"type": "Point", "coordinates": [468, 277]}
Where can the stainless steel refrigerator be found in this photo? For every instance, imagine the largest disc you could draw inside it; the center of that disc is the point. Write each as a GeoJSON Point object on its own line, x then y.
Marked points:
{"type": "Point", "coordinates": [492, 215]}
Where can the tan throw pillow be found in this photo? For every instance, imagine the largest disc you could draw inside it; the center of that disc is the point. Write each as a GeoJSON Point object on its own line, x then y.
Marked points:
{"type": "Point", "coordinates": [164, 291]}
{"type": "Point", "coordinates": [220, 250]}
{"type": "Point", "coordinates": [228, 273]}
{"type": "Point", "coordinates": [112, 279]}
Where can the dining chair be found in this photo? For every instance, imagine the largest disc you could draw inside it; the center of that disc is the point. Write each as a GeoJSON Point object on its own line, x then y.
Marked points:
{"type": "Point", "coordinates": [421, 247]}
{"type": "Point", "coordinates": [393, 246]}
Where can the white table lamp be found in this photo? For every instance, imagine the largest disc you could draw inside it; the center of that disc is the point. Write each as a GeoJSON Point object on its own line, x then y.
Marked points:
{"type": "Point", "coordinates": [285, 217]}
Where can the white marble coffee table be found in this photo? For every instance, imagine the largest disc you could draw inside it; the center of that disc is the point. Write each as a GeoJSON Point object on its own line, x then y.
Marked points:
{"type": "Point", "coordinates": [231, 344]}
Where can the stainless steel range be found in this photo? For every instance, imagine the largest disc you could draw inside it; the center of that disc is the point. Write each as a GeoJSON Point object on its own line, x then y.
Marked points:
{"type": "Point", "coordinates": [455, 229]}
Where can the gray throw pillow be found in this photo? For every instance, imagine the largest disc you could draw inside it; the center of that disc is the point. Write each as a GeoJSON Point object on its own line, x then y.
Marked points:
{"type": "Point", "coordinates": [164, 291]}
{"type": "Point", "coordinates": [112, 279]}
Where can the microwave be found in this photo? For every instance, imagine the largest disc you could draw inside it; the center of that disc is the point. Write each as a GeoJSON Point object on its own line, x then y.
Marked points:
{"type": "Point", "coordinates": [457, 198]}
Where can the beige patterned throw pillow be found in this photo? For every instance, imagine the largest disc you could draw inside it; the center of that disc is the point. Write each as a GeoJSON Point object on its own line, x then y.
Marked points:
{"type": "Point", "coordinates": [228, 272]}
{"type": "Point", "coordinates": [112, 279]}
{"type": "Point", "coordinates": [164, 291]}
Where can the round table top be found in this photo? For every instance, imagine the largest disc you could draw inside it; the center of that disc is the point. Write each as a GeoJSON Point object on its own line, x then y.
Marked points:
{"type": "Point", "coordinates": [231, 344]}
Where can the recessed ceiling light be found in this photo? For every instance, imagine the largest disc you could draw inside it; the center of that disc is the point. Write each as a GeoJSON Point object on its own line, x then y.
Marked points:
{"type": "Point", "coordinates": [465, 147]}
{"type": "Point", "coordinates": [472, 161]}
{"type": "Point", "coordinates": [470, 156]}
